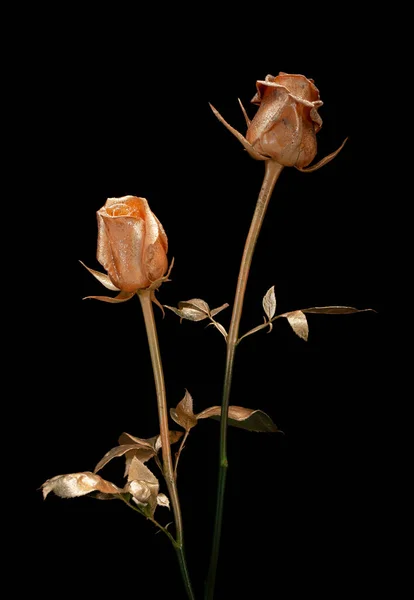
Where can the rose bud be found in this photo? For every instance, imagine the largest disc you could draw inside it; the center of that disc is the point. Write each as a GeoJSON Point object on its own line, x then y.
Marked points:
{"type": "Point", "coordinates": [285, 126]}
{"type": "Point", "coordinates": [132, 248]}
{"type": "Point", "coordinates": [132, 244]}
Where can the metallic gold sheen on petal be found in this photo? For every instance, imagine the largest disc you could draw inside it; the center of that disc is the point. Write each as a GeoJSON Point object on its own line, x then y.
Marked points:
{"type": "Point", "coordinates": [132, 244]}
{"type": "Point", "coordinates": [287, 120]}
{"type": "Point", "coordinates": [285, 125]}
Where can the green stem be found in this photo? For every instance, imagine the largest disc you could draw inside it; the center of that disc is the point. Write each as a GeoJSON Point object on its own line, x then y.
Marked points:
{"type": "Point", "coordinates": [168, 470]}
{"type": "Point", "coordinates": [272, 172]}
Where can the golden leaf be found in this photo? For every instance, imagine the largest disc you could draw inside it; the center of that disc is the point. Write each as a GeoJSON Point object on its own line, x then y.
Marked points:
{"type": "Point", "coordinates": [269, 302]}
{"type": "Point", "coordinates": [335, 310]}
{"type": "Point", "coordinates": [183, 413]}
{"type": "Point", "coordinates": [162, 500]}
{"type": "Point", "coordinates": [72, 485]}
{"type": "Point", "coordinates": [142, 484]}
{"type": "Point", "coordinates": [245, 418]}
{"type": "Point", "coordinates": [142, 450]}
{"type": "Point", "coordinates": [299, 323]}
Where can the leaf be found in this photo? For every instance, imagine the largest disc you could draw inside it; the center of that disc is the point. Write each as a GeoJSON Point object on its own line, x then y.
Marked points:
{"type": "Point", "coordinates": [173, 309]}
{"type": "Point", "coordinates": [140, 472]}
{"type": "Point", "coordinates": [195, 309]}
{"type": "Point", "coordinates": [73, 485]}
{"type": "Point", "coordinates": [140, 447]}
{"type": "Point", "coordinates": [183, 413]}
{"type": "Point", "coordinates": [299, 323]}
{"type": "Point", "coordinates": [197, 304]}
{"type": "Point", "coordinates": [142, 484]}
{"type": "Point", "coordinates": [121, 297]}
{"type": "Point", "coordinates": [174, 437]}
{"type": "Point", "coordinates": [127, 438]}
{"type": "Point", "coordinates": [245, 418]}
{"type": "Point", "coordinates": [141, 492]}
{"type": "Point", "coordinates": [162, 500]}
{"type": "Point", "coordinates": [269, 302]}
{"type": "Point", "coordinates": [215, 311]}
{"type": "Point", "coordinates": [221, 329]}
{"type": "Point", "coordinates": [189, 313]}
{"type": "Point", "coordinates": [143, 450]}
{"type": "Point", "coordinates": [335, 310]}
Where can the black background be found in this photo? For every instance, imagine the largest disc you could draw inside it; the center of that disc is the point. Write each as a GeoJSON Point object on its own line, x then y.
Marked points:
{"type": "Point", "coordinates": [123, 109]}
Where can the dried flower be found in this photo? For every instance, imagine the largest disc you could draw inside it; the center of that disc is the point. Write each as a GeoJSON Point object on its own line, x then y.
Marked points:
{"type": "Point", "coordinates": [132, 244]}
{"type": "Point", "coordinates": [132, 247]}
{"type": "Point", "coordinates": [285, 126]}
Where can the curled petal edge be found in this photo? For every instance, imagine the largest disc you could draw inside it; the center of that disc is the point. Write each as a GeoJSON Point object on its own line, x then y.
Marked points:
{"type": "Point", "coordinates": [309, 103]}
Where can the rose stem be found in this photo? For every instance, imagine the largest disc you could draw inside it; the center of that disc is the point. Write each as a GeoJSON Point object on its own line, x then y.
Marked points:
{"type": "Point", "coordinates": [272, 172]}
{"type": "Point", "coordinates": [168, 470]}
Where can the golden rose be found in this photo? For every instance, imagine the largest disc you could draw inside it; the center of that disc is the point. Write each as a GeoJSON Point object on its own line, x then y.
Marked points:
{"type": "Point", "coordinates": [132, 247]}
{"type": "Point", "coordinates": [285, 126]}
{"type": "Point", "coordinates": [132, 244]}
